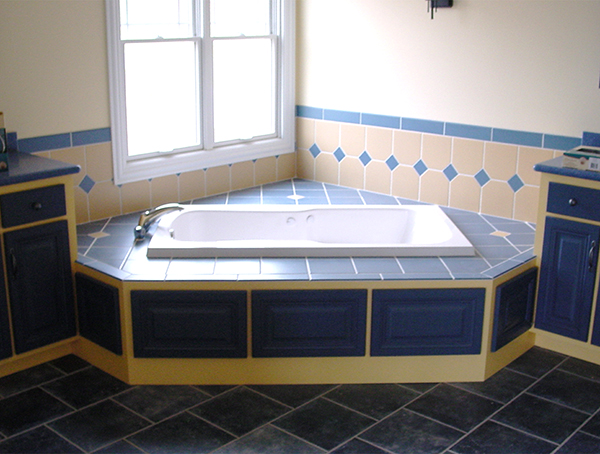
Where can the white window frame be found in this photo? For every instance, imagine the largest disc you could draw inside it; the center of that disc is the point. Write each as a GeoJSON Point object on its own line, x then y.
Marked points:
{"type": "Point", "coordinates": [128, 169]}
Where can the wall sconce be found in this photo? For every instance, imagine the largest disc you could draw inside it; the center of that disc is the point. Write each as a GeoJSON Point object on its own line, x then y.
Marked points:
{"type": "Point", "coordinates": [433, 5]}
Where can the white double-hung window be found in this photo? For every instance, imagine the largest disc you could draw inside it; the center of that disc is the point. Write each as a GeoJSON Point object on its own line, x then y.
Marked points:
{"type": "Point", "coordinates": [199, 83]}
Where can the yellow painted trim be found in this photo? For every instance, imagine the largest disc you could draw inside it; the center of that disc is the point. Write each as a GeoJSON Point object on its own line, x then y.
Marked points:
{"type": "Point", "coordinates": [36, 357]}
{"type": "Point", "coordinates": [567, 346]}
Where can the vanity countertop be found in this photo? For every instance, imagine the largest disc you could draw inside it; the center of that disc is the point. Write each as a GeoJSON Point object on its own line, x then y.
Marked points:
{"type": "Point", "coordinates": [555, 166]}
{"type": "Point", "coordinates": [23, 167]}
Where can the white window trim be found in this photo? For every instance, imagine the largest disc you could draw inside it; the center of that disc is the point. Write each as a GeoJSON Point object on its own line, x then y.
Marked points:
{"type": "Point", "coordinates": [127, 170]}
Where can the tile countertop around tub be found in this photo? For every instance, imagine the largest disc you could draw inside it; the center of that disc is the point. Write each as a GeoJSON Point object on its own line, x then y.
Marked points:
{"type": "Point", "coordinates": [501, 244]}
{"type": "Point", "coordinates": [23, 167]}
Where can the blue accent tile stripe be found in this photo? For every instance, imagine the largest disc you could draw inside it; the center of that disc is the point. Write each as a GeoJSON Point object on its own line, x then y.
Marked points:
{"type": "Point", "coordinates": [309, 112]}
{"type": "Point", "coordinates": [44, 143]}
{"type": "Point", "coordinates": [468, 131]}
{"type": "Point", "coordinates": [91, 136]}
{"type": "Point", "coordinates": [383, 121]}
{"type": "Point", "coordinates": [427, 126]}
{"type": "Point", "coordinates": [341, 116]}
{"type": "Point", "coordinates": [591, 139]}
{"type": "Point", "coordinates": [530, 139]}
{"type": "Point", "coordinates": [560, 142]}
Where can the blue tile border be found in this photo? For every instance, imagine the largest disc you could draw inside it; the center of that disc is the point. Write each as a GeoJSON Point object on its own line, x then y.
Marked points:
{"type": "Point", "coordinates": [58, 141]}
{"type": "Point", "coordinates": [499, 135]}
{"type": "Point", "coordinates": [91, 136]}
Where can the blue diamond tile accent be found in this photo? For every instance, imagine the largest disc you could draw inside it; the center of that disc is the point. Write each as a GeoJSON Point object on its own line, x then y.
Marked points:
{"type": "Point", "coordinates": [315, 150]}
{"type": "Point", "coordinates": [339, 154]}
{"type": "Point", "coordinates": [482, 177]}
{"type": "Point", "coordinates": [420, 167]}
{"type": "Point", "coordinates": [450, 172]}
{"type": "Point", "coordinates": [365, 158]}
{"type": "Point", "coordinates": [392, 162]}
{"type": "Point", "coordinates": [516, 183]}
{"type": "Point", "coordinates": [87, 184]}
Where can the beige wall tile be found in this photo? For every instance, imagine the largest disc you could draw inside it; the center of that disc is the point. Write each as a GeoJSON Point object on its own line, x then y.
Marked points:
{"type": "Point", "coordinates": [192, 185]}
{"type": "Point", "coordinates": [305, 165]}
{"type": "Point", "coordinates": [242, 175]}
{"type": "Point", "coordinates": [98, 158]}
{"type": "Point", "coordinates": [75, 155]}
{"type": "Point", "coordinates": [379, 143]}
{"type": "Point", "coordinates": [327, 168]}
{"type": "Point", "coordinates": [437, 151]}
{"type": "Point", "coordinates": [405, 182]}
{"type": "Point", "coordinates": [265, 170]}
{"type": "Point", "coordinates": [528, 157]}
{"type": "Point", "coordinates": [327, 135]}
{"type": "Point", "coordinates": [104, 200]}
{"type": "Point", "coordinates": [434, 188]}
{"type": "Point", "coordinates": [526, 203]}
{"type": "Point", "coordinates": [500, 160]}
{"type": "Point", "coordinates": [136, 196]}
{"type": "Point", "coordinates": [352, 139]}
{"type": "Point", "coordinates": [286, 166]}
{"type": "Point", "coordinates": [407, 147]}
{"type": "Point", "coordinates": [378, 177]}
{"type": "Point", "coordinates": [352, 173]}
{"type": "Point", "coordinates": [82, 212]}
{"type": "Point", "coordinates": [467, 155]}
{"type": "Point", "coordinates": [217, 180]}
{"type": "Point", "coordinates": [164, 190]}
{"type": "Point", "coordinates": [305, 133]}
{"type": "Point", "coordinates": [465, 193]}
{"type": "Point", "coordinates": [497, 199]}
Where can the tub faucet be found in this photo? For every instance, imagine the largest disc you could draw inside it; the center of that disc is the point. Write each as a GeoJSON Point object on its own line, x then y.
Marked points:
{"type": "Point", "coordinates": [149, 216]}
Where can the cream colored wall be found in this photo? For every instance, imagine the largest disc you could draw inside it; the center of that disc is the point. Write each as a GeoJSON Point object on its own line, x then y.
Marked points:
{"type": "Point", "coordinates": [529, 65]}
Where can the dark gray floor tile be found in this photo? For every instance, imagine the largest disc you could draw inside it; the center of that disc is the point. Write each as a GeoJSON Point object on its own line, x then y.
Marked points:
{"type": "Point", "coordinates": [495, 438]}
{"type": "Point", "coordinates": [182, 434]}
{"type": "Point", "coordinates": [120, 447]}
{"type": "Point", "coordinates": [34, 376]}
{"type": "Point", "coordinates": [214, 390]}
{"type": "Point", "coordinates": [580, 443]}
{"type": "Point", "coordinates": [420, 387]}
{"type": "Point", "coordinates": [536, 362]}
{"type": "Point", "coordinates": [568, 389]}
{"type": "Point", "coordinates": [541, 418]}
{"type": "Point", "coordinates": [39, 441]}
{"type": "Point", "coordinates": [292, 395]}
{"type": "Point", "coordinates": [240, 411]}
{"type": "Point", "coordinates": [593, 426]}
{"type": "Point", "coordinates": [374, 400]}
{"type": "Point", "coordinates": [454, 406]}
{"type": "Point", "coordinates": [28, 409]}
{"type": "Point", "coordinates": [503, 386]}
{"type": "Point", "coordinates": [582, 368]}
{"type": "Point", "coordinates": [159, 402]}
{"type": "Point", "coordinates": [324, 423]}
{"type": "Point", "coordinates": [357, 446]}
{"type": "Point", "coordinates": [408, 432]}
{"type": "Point", "coordinates": [98, 425]}
{"type": "Point", "coordinates": [70, 363]}
{"type": "Point", "coordinates": [269, 440]}
{"type": "Point", "coordinates": [86, 387]}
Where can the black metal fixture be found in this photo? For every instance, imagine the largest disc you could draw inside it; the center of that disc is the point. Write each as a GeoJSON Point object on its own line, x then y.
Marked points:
{"type": "Point", "coordinates": [433, 5]}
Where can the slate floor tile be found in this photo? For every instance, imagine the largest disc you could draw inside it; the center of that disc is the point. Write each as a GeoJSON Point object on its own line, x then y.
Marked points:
{"type": "Point", "coordinates": [20, 381]}
{"type": "Point", "coordinates": [324, 423]}
{"type": "Point", "coordinates": [69, 363]}
{"type": "Point", "coordinates": [292, 395]}
{"type": "Point", "coordinates": [356, 446]}
{"type": "Point", "coordinates": [120, 447]}
{"type": "Point", "coordinates": [374, 400]}
{"type": "Point", "coordinates": [541, 417]}
{"type": "Point", "coordinates": [536, 362]}
{"type": "Point", "coordinates": [503, 386]}
{"type": "Point", "coordinates": [408, 432]}
{"type": "Point", "coordinates": [580, 443]}
{"type": "Point", "coordinates": [492, 437]}
{"type": "Point", "coordinates": [86, 387]}
{"type": "Point", "coordinates": [99, 425]}
{"type": "Point", "coordinates": [240, 411]}
{"type": "Point", "coordinates": [159, 402]}
{"type": "Point", "coordinates": [569, 389]}
{"type": "Point", "coordinates": [39, 441]}
{"type": "Point", "coordinates": [181, 434]}
{"type": "Point", "coordinates": [455, 407]}
{"type": "Point", "coordinates": [582, 368]}
{"type": "Point", "coordinates": [28, 409]}
{"type": "Point", "coordinates": [593, 426]}
{"type": "Point", "coordinates": [268, 440]}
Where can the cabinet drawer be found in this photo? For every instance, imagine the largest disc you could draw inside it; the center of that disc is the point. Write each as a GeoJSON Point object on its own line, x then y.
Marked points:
{"type": "Point", "coordinates": [33, 205]}
{"type": "Point", "coordinates": [574, 201]}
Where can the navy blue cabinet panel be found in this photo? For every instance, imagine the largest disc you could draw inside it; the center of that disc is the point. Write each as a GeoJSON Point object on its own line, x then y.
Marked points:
{"type": "Point", "coordinates": [427, 322]}
{"type": "Point", "coordinates": [308, 323]}
{"type": "Point", "coordinates": [513, 309]}
{"type": "Point", "coordinates": [189, 324]}
{"type": "Point", "coordinates": [574, 201]}
{"type": "Point", "coordinates": [567, 278]}
{"type": "Point", "coordinates": [40, 285]}
{"type": "Point", "coordinates": [5, 345]}
{"type": "Point", "coordinates": [98, 312]}
{"type": "Point", "coordinates": [23, 207]}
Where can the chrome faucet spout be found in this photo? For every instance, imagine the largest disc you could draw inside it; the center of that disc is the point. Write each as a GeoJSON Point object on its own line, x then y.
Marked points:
{"type": "Point", "coordinates": [149, 216]}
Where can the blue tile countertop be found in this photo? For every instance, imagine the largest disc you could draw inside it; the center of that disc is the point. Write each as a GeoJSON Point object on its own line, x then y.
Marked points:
{"type": "Point", "coordinates": [23, 167]}
{"type": "Point", "coordinates": [501, 244]}
{"type": "Point", "coordinates": [555, 166]}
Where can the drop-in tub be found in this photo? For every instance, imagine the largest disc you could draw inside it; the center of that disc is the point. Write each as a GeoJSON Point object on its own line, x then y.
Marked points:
{"type": "Point", "coordinates": [308, 231]}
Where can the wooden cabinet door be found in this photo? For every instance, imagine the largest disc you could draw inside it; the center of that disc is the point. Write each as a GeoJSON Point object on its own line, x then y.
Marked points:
{"type": "Point", "coordinates": [40, 285]}
{"type": "Point", "coordinates": [567, 277]}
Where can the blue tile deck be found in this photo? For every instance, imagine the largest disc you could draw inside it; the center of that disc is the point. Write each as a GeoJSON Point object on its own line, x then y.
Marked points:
{"type": "Point", "coordinates": [501, 245]}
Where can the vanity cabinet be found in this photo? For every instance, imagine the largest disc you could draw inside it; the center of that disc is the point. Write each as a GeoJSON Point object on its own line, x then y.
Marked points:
{"type": "Point", "coordinates": [5, 341]}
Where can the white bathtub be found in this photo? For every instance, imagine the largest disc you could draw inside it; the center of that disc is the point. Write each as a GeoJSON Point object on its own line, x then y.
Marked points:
{"type": "Point", "coordinates": [307, 231]}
